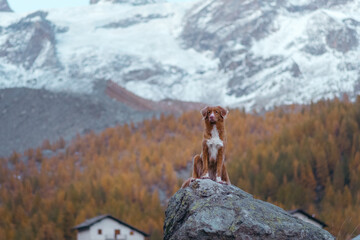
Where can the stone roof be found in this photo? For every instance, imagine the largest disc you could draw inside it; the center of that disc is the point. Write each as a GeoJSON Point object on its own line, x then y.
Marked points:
{"type": "Point", "coordinates": [308, 216]}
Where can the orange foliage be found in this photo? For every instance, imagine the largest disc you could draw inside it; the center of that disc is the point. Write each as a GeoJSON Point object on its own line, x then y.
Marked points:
{"type": "Point", "coordinates": [297, 157]}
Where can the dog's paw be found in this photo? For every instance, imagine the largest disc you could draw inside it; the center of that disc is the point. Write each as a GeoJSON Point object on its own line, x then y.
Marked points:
{"type": "Point", "coordinates": [219, 180]}
{"type": "Point", "coordinates": [206, 176]}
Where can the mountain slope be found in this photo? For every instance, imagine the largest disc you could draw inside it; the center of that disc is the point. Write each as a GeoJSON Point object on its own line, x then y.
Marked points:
{"type": "Point", "coordinates": [297, 157]}
{"type": "Point", "coordinates": [241, 53]}
{"type": "Point", "coordinates": [280, 52]}
{"type": "Point", "coordinates": [247, 54]}
{"type": "Point", "coordinates": [29, 116]}
{"type": "Point", "coordinates": [94, 43]}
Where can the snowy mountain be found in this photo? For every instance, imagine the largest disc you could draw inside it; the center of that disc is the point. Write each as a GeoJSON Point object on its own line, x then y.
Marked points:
{"type": "Point", "coordinates": [280, 52]}
{"type": "Point", "coordinates": [240, 53]}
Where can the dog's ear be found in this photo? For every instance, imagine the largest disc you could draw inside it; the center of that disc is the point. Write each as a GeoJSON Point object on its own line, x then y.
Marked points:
{"type": "Point", "coordinates": [224, 112]}
{"type": "Point", "coordinates": [204, 112]}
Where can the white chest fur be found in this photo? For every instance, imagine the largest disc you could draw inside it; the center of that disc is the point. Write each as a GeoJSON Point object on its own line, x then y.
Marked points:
{"type": "Point", "coordinates": [214, 143]}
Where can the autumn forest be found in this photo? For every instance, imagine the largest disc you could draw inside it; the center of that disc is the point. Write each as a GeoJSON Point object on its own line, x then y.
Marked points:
{"type": "Point", "coordinates": [295, 157]}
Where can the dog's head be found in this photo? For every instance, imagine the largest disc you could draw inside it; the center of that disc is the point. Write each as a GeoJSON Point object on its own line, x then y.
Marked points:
{"type": "Point", "coordinates": [214, 114]}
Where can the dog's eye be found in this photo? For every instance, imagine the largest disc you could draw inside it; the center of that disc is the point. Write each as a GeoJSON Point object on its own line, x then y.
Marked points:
{"type": "Point", "coordinates": [216, 111]}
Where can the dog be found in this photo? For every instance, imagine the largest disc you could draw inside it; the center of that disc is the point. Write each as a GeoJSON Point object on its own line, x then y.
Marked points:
{"type": "Point", "coordinates": [210, 164]}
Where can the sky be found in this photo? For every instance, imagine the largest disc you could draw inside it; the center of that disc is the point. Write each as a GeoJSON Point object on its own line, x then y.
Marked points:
{"type": "Point", "coordinates": [33, 5]}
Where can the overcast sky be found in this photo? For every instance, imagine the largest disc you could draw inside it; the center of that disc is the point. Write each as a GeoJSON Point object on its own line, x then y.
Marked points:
{"type": "Point", "coordinates": [33, 5]}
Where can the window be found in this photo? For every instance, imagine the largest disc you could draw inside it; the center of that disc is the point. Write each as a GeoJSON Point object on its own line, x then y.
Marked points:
{"type": "Point", "coordinates": [117, 232]}
{"type": "Point", "coordinates": [99, 231]}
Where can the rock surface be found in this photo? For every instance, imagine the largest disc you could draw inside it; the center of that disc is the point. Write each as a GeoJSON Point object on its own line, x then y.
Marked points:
{"type": "Point", "coordinates": [208, 210]}
{"type": "Point", "coordinates": [31, 43]}
{"type": "Point", "coordinates": [4, 6]}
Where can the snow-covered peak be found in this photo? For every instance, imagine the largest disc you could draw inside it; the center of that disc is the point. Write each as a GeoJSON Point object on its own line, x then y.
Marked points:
{"type": "Point", "coordinates": [30, 43]}
{"type": "Point", "coordinates": [4, 6]}
{"type": "Point", "coordinates": [280, 52]}
{"type": "Point", "coordinates": [248, 54]}
{"type": "Point", "coordinates": [132, 2]}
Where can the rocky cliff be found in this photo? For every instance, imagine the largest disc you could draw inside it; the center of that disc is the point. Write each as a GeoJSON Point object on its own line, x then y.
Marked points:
{"type": "Point", "coordinates": [208, 210]}
{"type": "Point", "coordinates": [31, 43]}
{"type": "Point", "coordinates": [4, 6]}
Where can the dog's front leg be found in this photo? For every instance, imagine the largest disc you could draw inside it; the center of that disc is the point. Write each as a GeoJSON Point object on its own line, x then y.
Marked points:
{"type": "Point", "coordinates": [219, 164]}
{"type": "Point", "coordinates": [224, 175]}
{"type": "Point", "coordinates": [205, 159]}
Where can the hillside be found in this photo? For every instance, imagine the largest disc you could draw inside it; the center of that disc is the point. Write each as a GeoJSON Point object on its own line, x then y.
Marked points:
{"type": "Point", "coordinates": [164, 57]}
{"type": "Point", "coordinates": [29, 116]}
{"type": "Point", "coordinates": [296, 157]}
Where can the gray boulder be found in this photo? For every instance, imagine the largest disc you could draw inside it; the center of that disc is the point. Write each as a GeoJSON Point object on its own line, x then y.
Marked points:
{"type": "Point", "coordinates": [209, 210]}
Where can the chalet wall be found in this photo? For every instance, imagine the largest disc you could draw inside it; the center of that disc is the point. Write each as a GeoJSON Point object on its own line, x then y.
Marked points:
{"type": "Point", "coordinates": [108, 227]}
{"type": "Point", "coordinates": [83, 235]}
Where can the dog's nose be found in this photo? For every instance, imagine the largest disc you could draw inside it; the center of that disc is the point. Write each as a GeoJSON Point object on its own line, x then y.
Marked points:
{"type": "Point", "coordinates": [212, 116]}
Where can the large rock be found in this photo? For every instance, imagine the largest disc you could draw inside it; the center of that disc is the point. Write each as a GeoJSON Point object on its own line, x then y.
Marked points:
{"type": "Point", "coordinates": [209, 210]}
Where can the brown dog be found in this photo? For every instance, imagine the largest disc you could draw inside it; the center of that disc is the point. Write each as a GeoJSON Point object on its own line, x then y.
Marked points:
{"type": "Point", "coordinates": [211, 162]}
